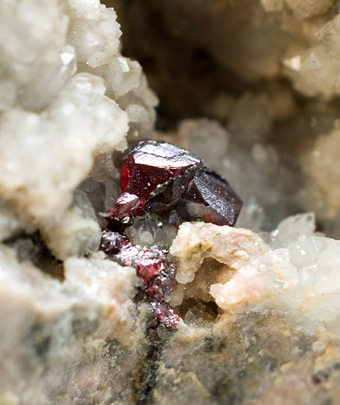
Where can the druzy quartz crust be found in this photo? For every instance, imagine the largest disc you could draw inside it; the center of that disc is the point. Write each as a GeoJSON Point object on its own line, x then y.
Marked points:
{"type": "Point", "coordinates": [159, 177]}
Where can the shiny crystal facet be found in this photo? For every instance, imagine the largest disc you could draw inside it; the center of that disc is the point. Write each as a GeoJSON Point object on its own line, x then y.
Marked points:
{"type": "Point", "coordinates": [210, 199]}
{"type": "Point", "coordinates": [158, 176]}
{"type": "Point", "coordinates": [152, 168]}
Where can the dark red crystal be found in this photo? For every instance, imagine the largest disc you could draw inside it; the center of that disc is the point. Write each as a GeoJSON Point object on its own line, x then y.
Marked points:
{"type": "Point", "coordinates": [211, 199]}
{"type": "Point", "coordinates": [158, 176]}
{"type": "Point", "coordinates": [127, 205]}
{"type": "Point", "coordinates": [151, 266]}
{"type": "Point", "coordinates": [152, 168]}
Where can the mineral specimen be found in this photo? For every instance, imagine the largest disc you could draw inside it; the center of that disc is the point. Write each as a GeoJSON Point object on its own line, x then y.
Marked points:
{"type": "Point", "coordinates": [152, 267]}
{"type": "Point", "coordinates": [153, 168]}
{"type": "Point", "coordinates": [210, 198]}
{"type": "Point", "coordinates": [158, 176]}
{"type": "Point", "coordinates": [250, 86]}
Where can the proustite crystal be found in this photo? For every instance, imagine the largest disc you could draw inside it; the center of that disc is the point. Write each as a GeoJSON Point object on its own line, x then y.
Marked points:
{"type": "Point", "coordinates": [158, 177]}
{"type": "Point", "coordinates": [157, 273]}
{"type": "Point", "coordinates": [211, 199]}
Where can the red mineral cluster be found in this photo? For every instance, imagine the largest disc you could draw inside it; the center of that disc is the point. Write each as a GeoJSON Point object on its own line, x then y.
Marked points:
{"type": "Point", "coordinates": [161, 178]}
{"type": "Point", "coordinates": [149, 170]}
{"type": "Point", "coordinates": [151, 266]}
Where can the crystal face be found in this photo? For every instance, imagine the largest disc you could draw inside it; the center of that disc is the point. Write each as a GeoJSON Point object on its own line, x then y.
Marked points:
{"type": "Point", "coordinates": [158, 177]}
{"type": "Point", "coordinates": [211, 199]}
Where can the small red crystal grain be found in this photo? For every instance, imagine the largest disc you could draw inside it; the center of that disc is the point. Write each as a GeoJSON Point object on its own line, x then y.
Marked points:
{"type": "Point", "coordinates": [151, 266]}
{"type": "Point", "coordinates": [164, 314]}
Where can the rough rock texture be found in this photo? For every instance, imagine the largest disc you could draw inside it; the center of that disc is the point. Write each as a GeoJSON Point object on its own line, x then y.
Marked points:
{"type": "Point", "coordinates": [70, 326]}
{"type": "Point", "coordinates": [248, 272]}
{"type": "Point", "coordinates": [62, 343]}
{"type": "Point", "coordinates": [56, 121]}
{"type": "Point", "coordinates": [273, 326]}
{"type": "Point", "coordinates": [252, 87]}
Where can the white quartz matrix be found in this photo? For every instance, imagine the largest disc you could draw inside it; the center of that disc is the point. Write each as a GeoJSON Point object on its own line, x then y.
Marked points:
{"type": "Point", "coordinates": [68, 100]}
{"type": "Point", "coordinates": [259, 303]}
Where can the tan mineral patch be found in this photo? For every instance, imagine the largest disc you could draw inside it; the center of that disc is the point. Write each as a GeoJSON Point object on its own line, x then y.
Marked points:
{"type": "Point", "coordinates": [249, 273]}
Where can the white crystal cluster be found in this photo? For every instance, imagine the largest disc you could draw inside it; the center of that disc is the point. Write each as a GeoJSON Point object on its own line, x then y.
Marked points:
{"type": "Point", "coordinates": [296, 270]}
{"type": "Point", "coordinates": [69, 99]}
{"type": "Point", "coordinates": [67, 96]}
{"type": "Point", "coordinates": [51, 330]}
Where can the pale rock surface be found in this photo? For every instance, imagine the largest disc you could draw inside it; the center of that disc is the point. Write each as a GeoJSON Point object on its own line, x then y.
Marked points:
{"type": "Point", "coordinates": [272, 5]}
{"type": "Point", "coordinates": [66, 341]}
{"type": "Point", "coordinates": [245, 258]}
{"type": "Point", "coordinates": [77, 232]}
{"type": "Point", "coordinates": [259, 358]}
{"type": "Point", "coordinates": [71, 330]}
{"type": "Point", "coordinates": [291, 228]}
{"type": "Point", "coordinates": [309, 8]}
{"type": "Point", "coordinates": [94, 33]}
{"type": "Point", "coordinates": [9, 224]}
{"type": "Point", "coordinates": [34, 54]}
{"type": "Point", "coordinates": [299, 274]}
{"type": "Point", "coordinates": [314, 70]}
{"type": "Point", "coordinates": [274, 335]}
{"type": "Point", "coordinates": [72, 121]}
{"type": "Point", "coordinates": [67, 137]}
